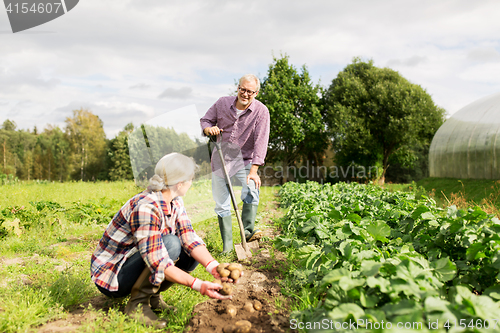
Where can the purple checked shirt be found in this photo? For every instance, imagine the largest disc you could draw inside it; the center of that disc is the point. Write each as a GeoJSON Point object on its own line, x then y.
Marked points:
{"type": "Point", "coordinates": [249, 131]}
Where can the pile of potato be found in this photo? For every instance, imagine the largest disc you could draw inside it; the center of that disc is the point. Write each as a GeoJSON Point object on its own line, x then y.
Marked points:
{"type": "Point", "coordinates": [249, 307]}
{"type": "Point", "coordinates": [232, 271]}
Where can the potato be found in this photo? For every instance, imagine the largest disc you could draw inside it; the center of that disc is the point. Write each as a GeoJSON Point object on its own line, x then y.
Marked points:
{"type": "Point", "coordinates": [242, 326]}
{"type": "Point", "coordinates": [227, 289]}
{"type": "Point", "coordinates": [235, 275]}
{"type": "Point", "coordinates": [225, 273]}
{"type": "Point", "coordinates": [221, 267]}
{"type": "Point", "coordinates": [229, 329]}
{"type": "Point", "coordinates": [257, 305]}
{"type": "Point", "coordinates": [249, 307]}
{"type": "Point", "coordinates": [234, 266]}
{"type": "Point", "coordinates": [217, 281]}
{"type": "Point", "coordinates": [231, 310]}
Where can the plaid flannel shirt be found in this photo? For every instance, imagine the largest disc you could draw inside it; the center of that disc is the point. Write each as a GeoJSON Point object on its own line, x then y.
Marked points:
{"type": "Point", "coordinates": [139, 226]}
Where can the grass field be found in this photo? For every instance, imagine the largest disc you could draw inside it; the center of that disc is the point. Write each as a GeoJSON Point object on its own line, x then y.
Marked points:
{"type": "Point", "coordinates": [49, 231]}
{"type": "Point", "coordinates": [459, 192]}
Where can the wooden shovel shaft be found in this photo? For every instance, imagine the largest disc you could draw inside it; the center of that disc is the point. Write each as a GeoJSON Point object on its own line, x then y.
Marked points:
{"type": "Point", "coordinates": [233, 197]}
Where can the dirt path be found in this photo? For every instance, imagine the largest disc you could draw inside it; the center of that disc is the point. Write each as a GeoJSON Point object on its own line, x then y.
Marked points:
{"type": "Point", "coordinates": [259, 283]}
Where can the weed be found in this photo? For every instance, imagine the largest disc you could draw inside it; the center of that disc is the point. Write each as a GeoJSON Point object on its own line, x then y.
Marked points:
{"type": "Point", "coordinates": [72, 287]}
{"type": "Point", "coordinates": [27, 307]}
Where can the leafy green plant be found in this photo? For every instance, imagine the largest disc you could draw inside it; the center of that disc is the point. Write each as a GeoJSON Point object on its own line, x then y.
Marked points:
{"type": "Point", "coordinates": [368, 254]}
{"type": "Point", "coordinates": [90, 212]}
{"type": "Point", "coordinates": [8, 179]}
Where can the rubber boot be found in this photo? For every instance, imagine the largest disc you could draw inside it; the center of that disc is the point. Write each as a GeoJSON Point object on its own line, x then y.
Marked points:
{"type": "Point", "coordinates": [248, 215]}
{"type": "Point", "coordinates": [157, 303]}
{"type": "Point", "coordinates": [226, 231]}
{"type": "Point", "coordinates": [141, 294]}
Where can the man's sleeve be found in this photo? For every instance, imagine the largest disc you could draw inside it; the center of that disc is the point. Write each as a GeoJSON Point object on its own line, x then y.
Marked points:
{"type": "Point", "coordinates": [261, 136]}
{"type": "Point", "coordinates": [210, 118]}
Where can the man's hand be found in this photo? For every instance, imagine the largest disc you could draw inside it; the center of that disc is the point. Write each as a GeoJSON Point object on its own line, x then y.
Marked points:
{"type": "Point", "coordinates": [214, 130]}
{"type": "Point", "coordinates": [254, 176]}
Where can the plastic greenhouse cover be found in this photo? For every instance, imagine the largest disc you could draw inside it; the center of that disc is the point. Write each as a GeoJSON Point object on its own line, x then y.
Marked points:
{"type": "Point", "coordinates": [466, 145]}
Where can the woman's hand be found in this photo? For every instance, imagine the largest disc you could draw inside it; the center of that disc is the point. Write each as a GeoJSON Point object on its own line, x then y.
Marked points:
{"type": "Point", "coordinates": [208, 288]}
{"type": "Point", "coordinates": [212, 269]}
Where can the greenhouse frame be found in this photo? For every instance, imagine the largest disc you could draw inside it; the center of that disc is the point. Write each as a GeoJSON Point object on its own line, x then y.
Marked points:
{"type": "Point", "coordinates": [467, 144]}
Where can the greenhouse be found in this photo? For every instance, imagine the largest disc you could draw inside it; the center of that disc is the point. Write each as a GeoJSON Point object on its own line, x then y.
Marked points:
{"type": "Point", "coordinates": [467, 144]}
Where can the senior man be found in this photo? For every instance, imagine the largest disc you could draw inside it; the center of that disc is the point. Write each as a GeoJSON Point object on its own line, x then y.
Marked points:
{"type": "Point", "coordinates": [243, 123]}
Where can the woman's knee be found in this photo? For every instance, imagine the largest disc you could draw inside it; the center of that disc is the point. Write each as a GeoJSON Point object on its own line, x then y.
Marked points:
{"type": "Point", "coordinates": [173, 246]}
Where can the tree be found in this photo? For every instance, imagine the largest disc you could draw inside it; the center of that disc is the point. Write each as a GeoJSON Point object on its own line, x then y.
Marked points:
{"type": "Point", "coordinates": [296, 130]}
{"type": "Point", "coordinates": [23, 146]}
{"type": "Point", "coordinates": [147, 144]}
{"type": "Point", "coordinates": [52, 154]}
{"type": "Point", "coordinates": [119, 157]}
{"type": "Point", "coordinates": [88, 144]}
{"type": "Point", "coordinates": [374, 114]}
{"type": "Point", "coordinates": [7, 142]}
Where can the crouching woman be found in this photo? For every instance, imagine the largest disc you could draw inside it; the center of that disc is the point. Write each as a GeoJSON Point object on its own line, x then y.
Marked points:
{"type": "Point", "coordinates": [150, 244]}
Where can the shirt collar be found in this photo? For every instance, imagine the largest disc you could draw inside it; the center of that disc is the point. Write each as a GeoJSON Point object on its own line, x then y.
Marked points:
{"type": "Point", "coordinates": [167, 209]}
{"type": "Point", "coordinates": [249, 108]}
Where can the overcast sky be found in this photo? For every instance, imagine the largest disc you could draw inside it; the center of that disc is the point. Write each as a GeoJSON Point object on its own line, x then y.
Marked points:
{"type": "Point", "coordinates": [131, 61]}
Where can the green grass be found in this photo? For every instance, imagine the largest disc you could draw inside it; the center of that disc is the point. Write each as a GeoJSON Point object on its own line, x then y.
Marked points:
{"type": "Point", "coordinates": [473, 190]}
{"type": "Point", "coordinates": [53, 249]}
{"type": "Point", "coordinates": [460, 192]}
{"type": "Point", "coordinates": [22, 193]}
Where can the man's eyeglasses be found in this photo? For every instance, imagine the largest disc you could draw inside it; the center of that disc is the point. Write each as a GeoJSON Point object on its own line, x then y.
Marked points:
{"type": "Point", "coordinates": [244, 91]}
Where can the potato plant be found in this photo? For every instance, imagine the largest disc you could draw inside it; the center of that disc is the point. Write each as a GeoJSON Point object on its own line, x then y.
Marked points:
{"type": "Point", "coordinates": [371, 255]}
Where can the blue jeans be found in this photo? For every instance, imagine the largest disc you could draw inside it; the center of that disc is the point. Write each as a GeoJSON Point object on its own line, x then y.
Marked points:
{"type": "Point", "coordinates": [133, 267]}
{"type": "Point", "coordinates": [222, 197]}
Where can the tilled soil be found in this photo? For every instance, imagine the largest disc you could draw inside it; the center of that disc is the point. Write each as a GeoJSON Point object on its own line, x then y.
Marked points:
{"type": "Point", "coordinates": [255, 285]}
{"type": "Point", "coordinates": [260, 282]}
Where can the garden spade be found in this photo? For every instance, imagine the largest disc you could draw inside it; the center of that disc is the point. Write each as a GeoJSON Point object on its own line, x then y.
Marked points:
{"type": "Point", "coordinates": [243, 250]}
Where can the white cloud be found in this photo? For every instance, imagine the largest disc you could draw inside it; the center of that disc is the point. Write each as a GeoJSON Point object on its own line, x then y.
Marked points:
{"type": "Point", "coordinates": [118, 57]}
{"type": "Point", "coordinates": [484, 54]}
{"type": "Point", "coordinates": [140, 86]}
{"type": "Point", "coordinates": [181, 93]}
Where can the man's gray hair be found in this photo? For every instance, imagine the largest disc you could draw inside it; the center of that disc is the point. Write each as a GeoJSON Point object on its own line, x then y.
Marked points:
{"type": "Point", "coordinates": [250, 77]}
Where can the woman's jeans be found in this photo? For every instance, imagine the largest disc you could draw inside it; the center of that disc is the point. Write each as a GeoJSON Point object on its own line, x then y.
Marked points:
{"type": "Point", "coordinates": [133, 267]}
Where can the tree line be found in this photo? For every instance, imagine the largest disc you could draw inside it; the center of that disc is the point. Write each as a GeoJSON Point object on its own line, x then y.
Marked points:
{"type": "Point", "coordinates": [368, 117]}
{"type": "Point", "coordinates": [79, 151]}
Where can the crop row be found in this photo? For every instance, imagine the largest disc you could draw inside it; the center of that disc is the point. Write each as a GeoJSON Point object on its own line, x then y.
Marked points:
{"type": "Point", "coordinates": [369, 256]}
